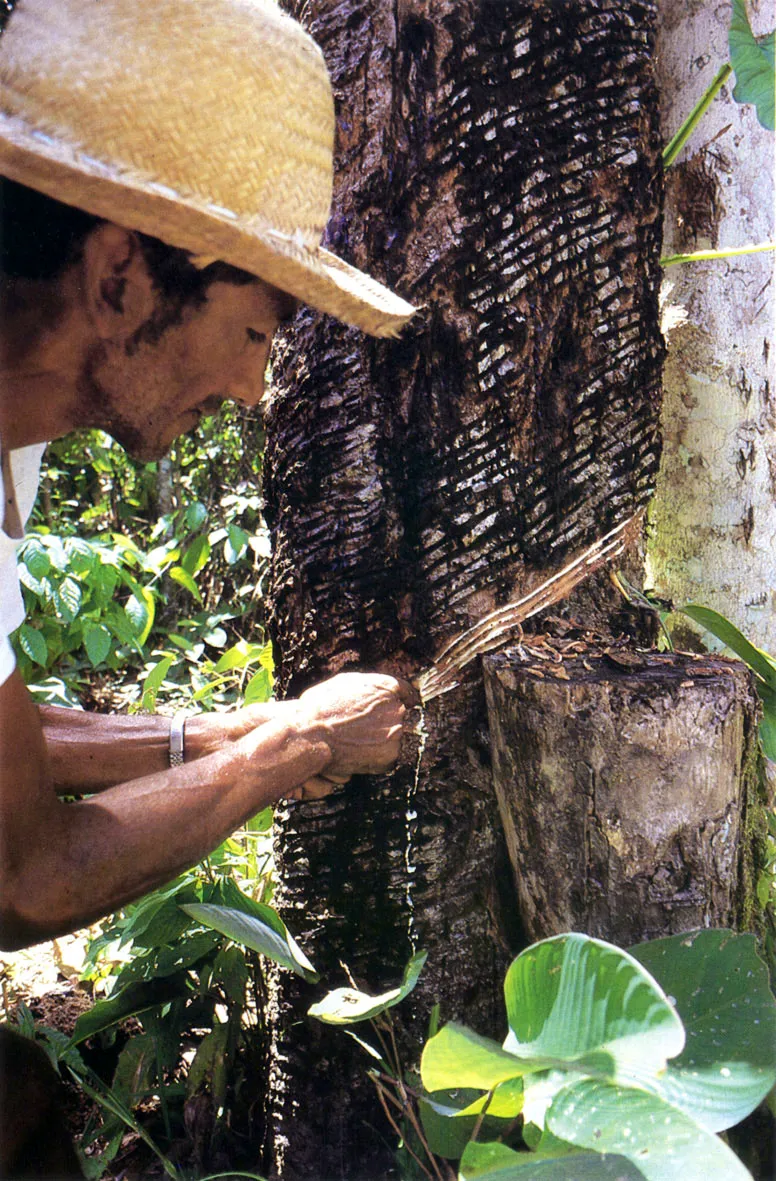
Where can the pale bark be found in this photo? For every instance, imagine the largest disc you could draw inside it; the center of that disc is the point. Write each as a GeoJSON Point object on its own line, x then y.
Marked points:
{"type": "Point", "coordinates": [714, 515]}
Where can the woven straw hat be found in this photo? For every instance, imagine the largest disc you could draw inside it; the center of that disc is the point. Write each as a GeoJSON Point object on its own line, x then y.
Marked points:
{"type": "Point", "coordinates": [208, 125]}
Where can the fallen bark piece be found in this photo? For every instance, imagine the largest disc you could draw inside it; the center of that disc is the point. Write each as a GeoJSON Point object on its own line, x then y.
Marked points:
{"type": "Point", "coordinates": [624, 782]}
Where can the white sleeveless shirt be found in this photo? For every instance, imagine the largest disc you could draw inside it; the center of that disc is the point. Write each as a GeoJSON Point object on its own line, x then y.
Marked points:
{"type": "Point", "coordinates": [17, 497]}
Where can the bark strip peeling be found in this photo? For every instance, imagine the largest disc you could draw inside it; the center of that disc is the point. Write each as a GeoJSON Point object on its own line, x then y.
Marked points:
{"type": "Point", "coordinates": [498, 163]}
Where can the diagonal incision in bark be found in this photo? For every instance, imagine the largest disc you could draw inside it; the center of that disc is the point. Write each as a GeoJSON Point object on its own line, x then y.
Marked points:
{"type": "Point", "coordinates": [490, 632]}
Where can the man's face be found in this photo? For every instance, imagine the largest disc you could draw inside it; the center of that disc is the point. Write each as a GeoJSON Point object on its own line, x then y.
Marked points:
{"type": "Point", "coordinates": [147, 393]}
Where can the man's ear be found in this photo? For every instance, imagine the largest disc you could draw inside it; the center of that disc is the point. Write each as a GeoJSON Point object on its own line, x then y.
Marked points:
{"type": "Point", "coordinates": [118, 288]}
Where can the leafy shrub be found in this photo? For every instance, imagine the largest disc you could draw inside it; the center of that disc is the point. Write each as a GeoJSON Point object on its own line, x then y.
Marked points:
{"type": "Point", "coordinates": [616, 1064]}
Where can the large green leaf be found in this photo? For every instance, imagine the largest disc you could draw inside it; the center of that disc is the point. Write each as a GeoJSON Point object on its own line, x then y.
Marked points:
{"type": "Point", "coordinates": [458, 1057]}
{"type": "Point", "coordinates": [759, 661]}
{"type": "Point", "coordinates": [768, 723]}
{"type": "Point", "coordinates": [752, 59]}
{"type": "Point", "coordinates": [262, 931]}
{"type": "Point", "coordinates": [663, 1142]}
{"type": "Point", "coordinates": [135, 998]}
{"type": "Point", "coordinates": [720, 986]}
{"type": "Point", "coordinates": [134, 1071]}
{"type": "Point", "coordinates": [447, 1132]}
{"type": "Point", "coordinates": [496, 1162]}
{"type": "Point", "coordinates": [344, 1006]}
{"type": "Point", "coordinates": [450, 1117]}
{"type": "Point", "coordinates": [592, 1006]}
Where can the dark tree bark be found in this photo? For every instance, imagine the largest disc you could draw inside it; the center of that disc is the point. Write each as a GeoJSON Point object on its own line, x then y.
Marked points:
{"type": "Point", "coordinates": [498, 164]}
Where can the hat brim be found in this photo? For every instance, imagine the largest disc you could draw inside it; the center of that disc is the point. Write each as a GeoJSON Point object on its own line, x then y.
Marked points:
{"type": "Point", "coordinates": [312, 274]}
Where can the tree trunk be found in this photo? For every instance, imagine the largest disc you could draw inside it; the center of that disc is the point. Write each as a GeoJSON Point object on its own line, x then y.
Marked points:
{"type": "Point", "coordinates": [714, 517]}
{"type": "Point", "coordinates": [498, 164]}
{"type": "Point", "coordinates": [631, 775]}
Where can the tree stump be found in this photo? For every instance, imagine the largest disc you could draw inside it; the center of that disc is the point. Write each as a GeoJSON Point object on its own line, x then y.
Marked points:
{"type": "Point", "coordinates": [624, 780]}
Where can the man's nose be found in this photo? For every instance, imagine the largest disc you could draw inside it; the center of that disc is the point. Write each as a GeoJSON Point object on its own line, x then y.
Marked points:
{"type": "Point", "coordinates": [247, 387]}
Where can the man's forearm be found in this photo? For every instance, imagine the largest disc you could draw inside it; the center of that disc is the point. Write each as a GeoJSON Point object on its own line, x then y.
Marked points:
{"type": "Point", "coordinates": [90, 752]}
{"type": "Point", "coordinates": [97, 854]}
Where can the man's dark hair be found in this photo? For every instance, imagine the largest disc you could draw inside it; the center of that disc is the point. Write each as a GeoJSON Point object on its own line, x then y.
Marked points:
{"type": "Point", "coordinates": [40, 237]}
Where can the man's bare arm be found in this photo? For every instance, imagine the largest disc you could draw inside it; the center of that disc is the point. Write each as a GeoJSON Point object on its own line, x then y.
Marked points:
{"type": "Point", "coordinates": [64, 865]}
{"type": "Point", "coordinates": [90, 752]}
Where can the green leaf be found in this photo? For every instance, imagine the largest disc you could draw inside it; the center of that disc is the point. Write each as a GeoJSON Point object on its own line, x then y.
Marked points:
{"type": "Point", "coordinates": [35, 558]}
{"type": "Point", "coordinates": [344, 1006]}
{"type": "Point", "coordinates": [195, 515]}
{"type": "Point", "coordinates": [132, 1078]}
{"type": "Point", "coordinates": [33, 644]}
{"type": "Point", "coordinates": [97, 641]}
{"type": "Point", "coordinates": [81, 555]}
{"type": "Point", "coordinates": [231, 969]}
{"type": "Point", "coordinates": [768, 723]}
{"type": "Point", "coordinates": [262, 821]}
{"type": "Point", "coordinates": [589, 1005]}
{"type": "Point", "coordinates": [449, 1117]}
{"type": "Point", "coordinates": [153, 682]}
{"type": "Point", "coordinates": [496, 1162]}
{"type": "Point", "coordinates": [239, 655]}
{"type": "Point", "coordinates": [208, 1071]}
{"type": "Point", "coordinates": [458, 1057]}
{"type": "Point", "coordinates": [266, 934]}
{"type": "Point", "coordinates": [447, 1132]}
{"type": "Point", "coordinates": [663, 1142]}
{"type": "Point", "coordinates": [135, 998]}
{"type": "Point", "coordinates": [196, 555]}
{"type": "Point", "coordinates": [759, 661]}
{"type": "Point", "coordinates": [259, 688]}
{"type": "Point", "coordinates": [752, 59]}
{"type": "Point", "coordinates": [721, 990]}
{"type": "Point", "coordinates": [235, 544]}
{"type": "Point", "coordinates": [184, 579]}
{"type": "Point", "coordinates": [105, 579]}
{"type": "Point", "coordinates": [140, 611]}
{"type": "Point", "coordinates": [67, 599]}
{"type": "Point", "coordinates": [164, 927]}
{"type": "Point", "coordinates": [39, 586]}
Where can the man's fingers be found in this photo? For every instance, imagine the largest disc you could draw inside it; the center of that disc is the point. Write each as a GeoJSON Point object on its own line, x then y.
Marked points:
{"type": "Point", "coordinates": [316, 788]}
{"type": "Point", "coordinates": [408, 694]}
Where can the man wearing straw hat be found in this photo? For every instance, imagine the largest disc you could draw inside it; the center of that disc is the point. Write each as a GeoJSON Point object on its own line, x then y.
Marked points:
{"type": "Point", "coordinates": [169, 178]}
{"type": "Point", "coordinates": [167, 172]}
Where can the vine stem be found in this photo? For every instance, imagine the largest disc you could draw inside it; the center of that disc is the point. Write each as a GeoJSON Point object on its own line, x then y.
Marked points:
{"type": "Point", "coordinates": [677, 142]}
{"type": "Point", "coordinates": [481, 1116]}
{"type": "Point", "coordinates": [671, 260]}
{"type": "Point", "coordinates": [384, 1096]}
{"type": "Point", "coordinates": [406, 1108]}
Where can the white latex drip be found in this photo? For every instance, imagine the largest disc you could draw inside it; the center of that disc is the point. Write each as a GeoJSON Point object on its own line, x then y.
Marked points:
{"type": "Point", "coordinates": [410, 822]}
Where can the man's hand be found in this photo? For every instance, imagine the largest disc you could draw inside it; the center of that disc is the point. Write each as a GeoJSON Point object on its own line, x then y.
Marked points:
{"type": "Point", "coordinates": [358, 715]}
{"type": "Point", "coordinates": [361, 716]}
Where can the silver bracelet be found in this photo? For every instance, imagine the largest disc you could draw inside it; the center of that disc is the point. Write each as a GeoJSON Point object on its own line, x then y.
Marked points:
{"type": "Point", "coordinates": [177, 749]}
